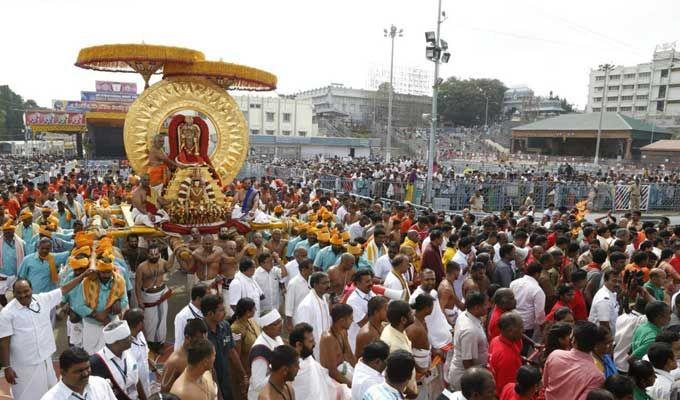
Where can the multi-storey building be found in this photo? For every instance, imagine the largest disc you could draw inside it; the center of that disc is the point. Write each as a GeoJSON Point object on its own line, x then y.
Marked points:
{"type": "Point", "coordinates": [649, 91]}
{"type": "Point", "coordinates": [277, 116]}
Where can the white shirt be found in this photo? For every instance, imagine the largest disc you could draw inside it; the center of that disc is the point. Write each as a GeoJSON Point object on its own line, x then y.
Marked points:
{"type": "Point", "coordinates": [356, 231]}
{"type": "Point", "coordinates": [359, 302]}
{"type": "Point", "coordinates": [530, 301]}
{"type": "Point", "coordinates": [243, 286]}
{"type": "Point", "coordinates": [364, 377]}
{"type": "Point", "coordinates": [604, 308]}
{"type": "Point", "coordinates": [382, 266]}
{"type": "Point", "coordinates": [124, 370]}
{"type": "Point", "coordinates": [30, 328]}
{"type": "Point", "coordinates": [393, 282]}
{"type": "Point", "coordinates": [314, 311]}
{"type": "Point", "coordinates": [469, 343]}
{"type": "Point", "coordinates": [183, 316]}
{"type": "Point", "coordinates": [625, 326]}
{"type": "Point", "coordinates": [460, 258]}
{"type": "Point", "coordinates": [97, 389]}
{"type": "Point", "coordinates": [298, 288]}
{"type": "Point", "coordinates": [662, 385]}
{"type": "Point", "coordinates": [140, 353]}
{"type": "Point", "coordinates": [342, 211]}
{"type": "Point", "coordinates": [438, 328]}
{"type": "Point", "coordinates": [259, 368]}
{"type": "Point", "coordinates": [293, 269]}
{"type": "Point", "coordinates": [269, 283]}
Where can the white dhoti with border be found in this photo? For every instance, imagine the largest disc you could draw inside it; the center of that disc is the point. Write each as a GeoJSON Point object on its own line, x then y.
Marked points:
{"type": "Point", "coordinates": [34, 381]}
{"type": "Point", "coordinates": [155, 317]}
{"type": "Point", "coordinates": [141, 218]}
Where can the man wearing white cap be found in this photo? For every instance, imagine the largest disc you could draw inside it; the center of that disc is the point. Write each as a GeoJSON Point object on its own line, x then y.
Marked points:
{"type": "Point", "coordinates": [115, 363]}
{"type": "Point", "coordinates": [260, 353]}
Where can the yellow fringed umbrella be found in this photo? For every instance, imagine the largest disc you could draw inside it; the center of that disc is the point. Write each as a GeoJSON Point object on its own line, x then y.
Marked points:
{"type": "Point", "coordinates": [227, 75]}
{"type": "Point", "coordinates": [145, 59]}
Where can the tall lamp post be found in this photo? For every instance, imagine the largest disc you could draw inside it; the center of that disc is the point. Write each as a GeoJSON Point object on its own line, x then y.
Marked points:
{"type": "Point", "coordinates": [435, 51]}
{"type": "Point", "coordinates": [486, 110]}
{"type": "Point", "coordinates": [392, 33]}
{"type": "Point", "coordinates": [606, 68]}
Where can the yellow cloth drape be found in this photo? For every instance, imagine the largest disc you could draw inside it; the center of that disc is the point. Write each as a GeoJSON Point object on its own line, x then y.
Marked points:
{"type": "Point", "coordinates": [91, 290]}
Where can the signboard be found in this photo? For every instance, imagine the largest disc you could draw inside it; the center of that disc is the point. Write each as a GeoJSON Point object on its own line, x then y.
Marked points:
{"type": "Point", "coordinates": [116, 87]}
{"type": "Point", "coordinates": [111, 97]}
{"type": "Point", "coordinates": [90, 106]}
{"type": "Point", "coordinates": [46, 117]}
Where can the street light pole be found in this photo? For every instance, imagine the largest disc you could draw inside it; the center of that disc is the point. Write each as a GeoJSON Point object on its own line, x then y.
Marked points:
{"type": "Point", "coordinates": [433, 127]}
{"type": "Point", "coordinates": [606, 68]}
{"type": "Point", "coordinates": [486, 114]}
{"type": "Point", "coordinates": [392, 33]}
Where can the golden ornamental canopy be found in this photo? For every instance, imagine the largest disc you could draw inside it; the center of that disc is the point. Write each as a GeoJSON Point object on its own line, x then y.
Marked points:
{"type": "Point", "coordinates": [227, 75]}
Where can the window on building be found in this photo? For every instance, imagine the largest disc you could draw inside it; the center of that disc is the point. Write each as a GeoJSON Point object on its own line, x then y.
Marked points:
{"type": "Point", "coordinates": [254, 105]}
{"type": "Point", "coordinates": [270, 131]}
{"type": "Point", "coordinates": [302, 133]}
{"type": "Point", "coordinates": [254, 131]}
{"type": "Point", "coordinates": [611, 108]}
{"type": "Point", "coordinates": [599, 78]}
{"type": "Point", "coordinates": [286, 117]}
{"type": "Point", "coordinates": [660, 105]}
{"type": "Point", "coordinates": [628, 87]}
{"type": "Point", "coordinates": [641, 97]}
{"type": "Point", "coordinates": [615, 87]}
{"type": "Point", "coordinates": [662, 91]}
{"type": "Point", "coordinates": [614, 77]}
{"type": "Point", "coordinates": [629, 76]}
{"type": "Point", "coordinates": [664, 73]}
{"type": "Point", "coordinates": [640, 108]}
{"type": "Point", "coordinates": [644, 74]}
{"type": "Point", "coordinates": [285, 133]}
{"type": "Point", "coordinates": [269, 116]}
{"type": "Point", "coordinates": [598, 88]}
{"type": "Point", "coordinates": [613, 98]}
{"type": "Point", "coordinates": [628, 108]}
{"type": "Point", "coordinates": [597, 109]}
{"type": "Point", "coordinates": [643, 87]}
{"type": "Point", "coordinates": [626, 98]}
{"type": "Point", "coordinates": [597, 99]}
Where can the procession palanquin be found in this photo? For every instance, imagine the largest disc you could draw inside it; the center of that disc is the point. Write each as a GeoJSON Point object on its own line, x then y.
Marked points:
{"type": "Point", "coordinates": [185, 132]}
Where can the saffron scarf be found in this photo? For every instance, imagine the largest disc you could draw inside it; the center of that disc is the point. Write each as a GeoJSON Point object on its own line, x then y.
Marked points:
{"type": "Point", "coordinates": [91, 286]}
{"type": "Point", "coordinates": [54, 274]}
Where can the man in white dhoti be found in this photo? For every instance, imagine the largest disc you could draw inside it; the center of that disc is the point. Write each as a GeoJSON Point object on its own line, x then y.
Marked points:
{"type": "Point", "coordinates": [297, 289]}
{"type": "Point", "coordinates": [11, 256]}
{"type": "Point", "coordinates": [363, 281]}
{"type": "Point", "coordinates": [314, 308]}
{"type": "Point", "coordinates": [312, 380]}
{"type": "Point", "coordinates": [145, 202]}
{"type": "Point", "coordinates": [261, 352]}
{"type": "Point", "coordinates": [152, 296]}
{"type": "Point", "coordinates": [27, 341]}
{"type": "Point", "coordinates": [438, 328]}
{"type": "Point", "coordinates": [244, 285]}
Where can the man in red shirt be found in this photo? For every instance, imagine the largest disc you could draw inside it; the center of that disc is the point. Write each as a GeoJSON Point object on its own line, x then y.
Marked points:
{"type": "Point", "coordinates": [421, 227]}
{"type": "Point", "coordinates": [504, 301]}
{"type": "Point", "coordinates": [10, 204]}
{"type": "Point", "coordinates": [30, 191]}
{"type": "Point", "coordinates": [675, 261]}
{"type": "Point", "coordinates": [565, 295]}
{"type": "Point", "coordinates": [504, 350]}
{"type": "Point", "coordinates": [578, 302]}
{"type": "Point", "coordinates": [432, 255]}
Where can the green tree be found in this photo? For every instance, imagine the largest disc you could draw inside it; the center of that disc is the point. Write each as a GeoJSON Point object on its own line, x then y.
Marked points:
{"type": "Point", "coordinates": [463, 102]}
{"type": "Point", "coordinates": [12, 107]}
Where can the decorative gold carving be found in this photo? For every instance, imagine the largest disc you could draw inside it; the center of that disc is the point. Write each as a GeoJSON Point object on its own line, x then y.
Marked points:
{"type": "Point", "coordinates": [171, 95]}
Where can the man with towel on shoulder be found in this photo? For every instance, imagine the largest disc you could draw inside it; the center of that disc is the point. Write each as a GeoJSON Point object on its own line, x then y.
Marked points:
{"type": "Point", "coordinates": [260, 353]}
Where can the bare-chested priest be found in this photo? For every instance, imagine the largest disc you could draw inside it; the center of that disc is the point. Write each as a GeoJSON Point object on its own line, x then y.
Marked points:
{"type": "Point", "coordinates": [146, 204]}
{"type": "Point", "coordinates": [152, 296]}
{"type": "Point", "coordinates": [194, 329]}
{"type": "Point", "coordinates": [285, 364]}
{"type": "Point", "coordinates": [196, 382]}
{"type": "Point", "coordinates": [207, 259]}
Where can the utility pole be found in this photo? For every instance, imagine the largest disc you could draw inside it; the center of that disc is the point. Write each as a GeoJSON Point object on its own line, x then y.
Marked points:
{"type": "Point", "coordinates": [433, 52]}
{"type": "Point", "coordinates": [392, 33]}
{"type": "Point", "coordinates": [606, 68]}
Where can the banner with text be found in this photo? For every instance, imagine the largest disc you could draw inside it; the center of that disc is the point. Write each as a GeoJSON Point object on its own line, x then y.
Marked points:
{"type": "Point", "coordinates": [116, 87]}
{"type": "Point", "coordinates": [90, 106]}
{"type": "Point", "coordinates": [108, 97]}
{"type": "Point", "coordinates": [44, 117]}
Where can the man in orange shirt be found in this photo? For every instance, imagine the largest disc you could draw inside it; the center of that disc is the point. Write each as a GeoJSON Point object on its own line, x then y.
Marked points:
{"type": "Point", "coordinates": [10, 204]}
{"type": "Point", "coordinates": [408, 221]}
{"type": "Point", "coordinates": [30, 191]}
{"type": "Point", "coordinates": [640, 261]}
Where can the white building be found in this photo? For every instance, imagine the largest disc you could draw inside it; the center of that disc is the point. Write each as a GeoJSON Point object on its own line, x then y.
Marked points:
{"type": "Point", "coordinates": [649, 91]}
{"type": "Point", "coordinates": [277, 116]}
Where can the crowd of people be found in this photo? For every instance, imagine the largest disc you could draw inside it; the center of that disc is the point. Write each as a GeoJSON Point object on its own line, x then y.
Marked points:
{"type": "Point", "coordinates": [350, 298]}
